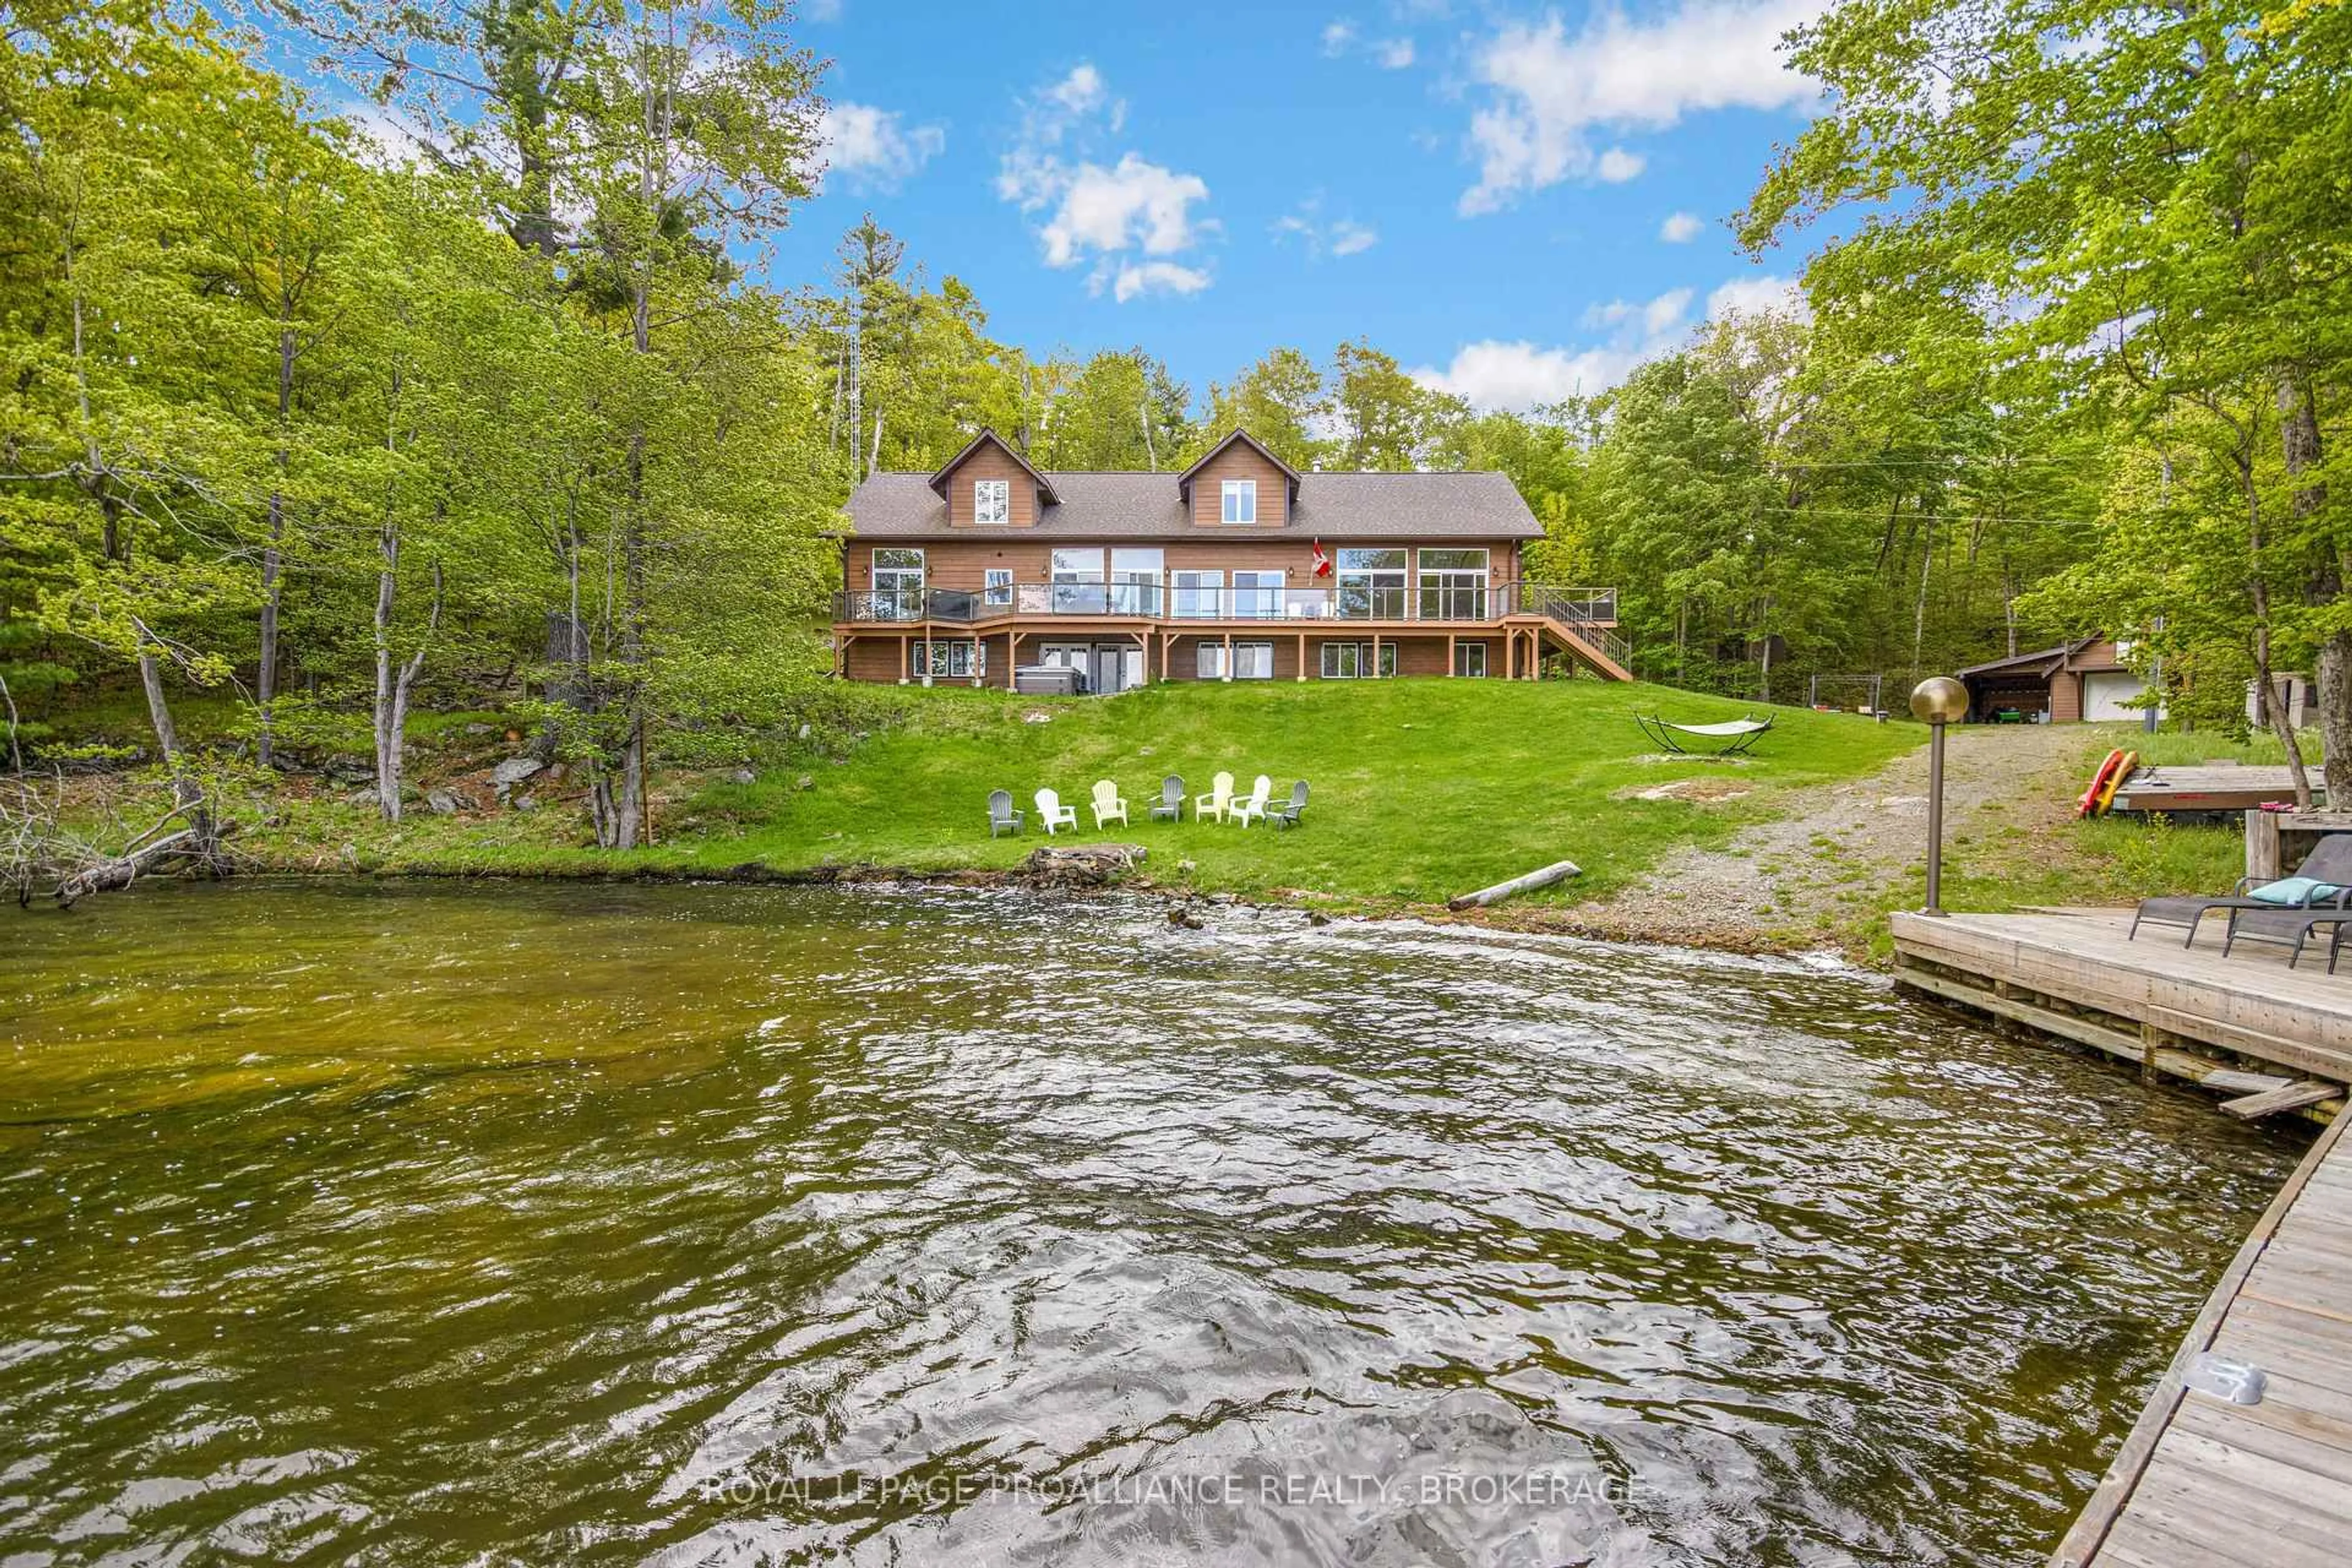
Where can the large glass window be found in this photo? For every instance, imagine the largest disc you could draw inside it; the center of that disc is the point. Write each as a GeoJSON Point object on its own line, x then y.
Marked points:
{"type": "Point", "coordinates": [1470, 659]}
{"type": "Point", "coordinates": [1135, 581]}
{"type": "Point", "coordinates": [898, 583]}
{"type": "Point", "coordinates": [1357, 660]}
{"type": "Point", "coordinates": [1199, 595]}
{"type": "Point", "coordinates": [1078, 582]}
{"type": "Point", "coordinates": [1452, 584]}
{"type": "Point", "coordinates": [1371, 585]}
{"type": "Point", "coordinates": [956, 660]}
{"type": "Point", "coordinates": [1257, 595]}
{"type": "Point", "coordinates": [999, 589]}
{"type": "Point", "coordinates": [1241, 500]}
{"type": "Point", "coordinates": [1252, 661]}
{"type": "Point", "coordinates": [991, 501]}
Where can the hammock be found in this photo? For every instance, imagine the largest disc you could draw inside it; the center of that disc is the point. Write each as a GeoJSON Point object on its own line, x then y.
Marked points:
{"type": "Point", "coordinates": [1735, 735]}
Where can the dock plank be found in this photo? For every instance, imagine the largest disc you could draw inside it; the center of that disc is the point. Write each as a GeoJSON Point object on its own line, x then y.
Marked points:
{"type": "Point", "coordinates": [2203, 1481]}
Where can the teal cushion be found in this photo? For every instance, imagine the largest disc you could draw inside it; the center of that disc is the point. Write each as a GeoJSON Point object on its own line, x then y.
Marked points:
{"type": "Point", "coordinates": [2294, 891]}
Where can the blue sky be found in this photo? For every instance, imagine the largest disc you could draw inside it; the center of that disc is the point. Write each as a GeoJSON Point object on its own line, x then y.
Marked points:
{"type": "Point", "coordinates": [1516, 200]}
{"type": "Point", "coordinates": [1519, 200]}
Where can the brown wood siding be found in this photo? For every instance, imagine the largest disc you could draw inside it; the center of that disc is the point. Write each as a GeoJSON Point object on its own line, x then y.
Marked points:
{"type": "Point", "coordinates": [1239, 461]}
{"type": "Point", "coordinates": [989, 462]}
{"type": "Point", "coordinates": [875, 658]}
{"type": "Point", "coordinates": [959, 562]}
{"type": "Point", "coordinates": [2065, 698]}
{"type": "Point", "coordinates": [2100, 655]}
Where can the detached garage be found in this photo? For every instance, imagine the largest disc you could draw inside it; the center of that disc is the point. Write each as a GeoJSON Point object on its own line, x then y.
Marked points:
{"type": "Point", "coordinates": [2063, 685]}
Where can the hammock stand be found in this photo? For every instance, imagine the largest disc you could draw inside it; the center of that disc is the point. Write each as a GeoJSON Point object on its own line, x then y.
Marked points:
{"type": "Point", "coordinates": [1733, 735]}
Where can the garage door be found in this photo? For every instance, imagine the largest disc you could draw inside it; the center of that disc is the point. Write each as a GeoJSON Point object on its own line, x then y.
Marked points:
{"type": "Point", "coordinates": [2104, 696]}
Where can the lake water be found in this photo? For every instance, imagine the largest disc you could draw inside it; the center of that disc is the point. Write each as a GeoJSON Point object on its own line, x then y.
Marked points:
{"type": "Point", "coordinates": [425, 1224]}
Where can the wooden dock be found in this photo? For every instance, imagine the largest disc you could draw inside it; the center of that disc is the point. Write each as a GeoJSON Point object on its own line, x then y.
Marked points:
{"type": "Point", "coordinates": [2246, 1025]}
{"type": "Point", "coordinates": [2243, 1458]}
{"type": "Point", "coordinates": [2212, 787]}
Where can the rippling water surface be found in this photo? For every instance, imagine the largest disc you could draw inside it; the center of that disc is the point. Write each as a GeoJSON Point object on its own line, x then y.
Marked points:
{"type": "Point", "coordinates": [423, 1224]}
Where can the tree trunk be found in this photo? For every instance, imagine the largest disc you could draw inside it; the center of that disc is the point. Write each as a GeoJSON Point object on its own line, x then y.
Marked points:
{"type": "Point", "coordinates": [186, 794]}
{"type": "Point", "coordinates": [2267, 706]}
{"type": "Point", "coordinates": [2299, 443]}
{"type": "Point", "coordinates": [265, 686]}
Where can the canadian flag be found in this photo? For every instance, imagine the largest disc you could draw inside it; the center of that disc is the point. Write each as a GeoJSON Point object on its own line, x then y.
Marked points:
{"type": "Point", "coordinates": [1322, 561]}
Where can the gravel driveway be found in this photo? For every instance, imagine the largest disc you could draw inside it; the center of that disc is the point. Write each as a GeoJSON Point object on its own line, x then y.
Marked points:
{"type": "Point", "coordinates": [1770, 887]}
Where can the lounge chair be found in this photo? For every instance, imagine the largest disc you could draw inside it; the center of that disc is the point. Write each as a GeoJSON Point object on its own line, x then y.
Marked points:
{"type": "Point", "coordinates": [2329, 864]}
{"type": "Point", "coordinates": [1172, 800]}
{"type": "Point", "coordinates": [1217, 801]}
{"type": "Point", "coordinates": [1109, 803]}
{"type": "Point", "coordinates": [1733, 735]}
{"type": "Point", "coordinates": [1001, 814]}
{"type": "Point", "coordinates": [2293, 926]}
{"type": "Point", "coordinates": [1054, 813]}
{"type": "Point", "coordinates": [1287, 816]}
{"type": "Point", "coordinates": [1242, 813]}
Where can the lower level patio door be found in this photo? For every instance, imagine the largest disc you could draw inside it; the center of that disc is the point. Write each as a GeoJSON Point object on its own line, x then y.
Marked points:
{"type": "Point", "coordinates": [1117, 666]}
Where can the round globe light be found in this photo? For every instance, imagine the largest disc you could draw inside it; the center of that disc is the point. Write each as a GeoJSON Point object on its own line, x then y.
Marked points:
{"type": "Point", "coordinates": [1939, 699]}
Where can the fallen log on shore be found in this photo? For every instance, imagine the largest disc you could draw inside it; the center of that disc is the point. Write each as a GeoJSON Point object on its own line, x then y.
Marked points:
{"type": "Point", "coordinates": [1557, 871]}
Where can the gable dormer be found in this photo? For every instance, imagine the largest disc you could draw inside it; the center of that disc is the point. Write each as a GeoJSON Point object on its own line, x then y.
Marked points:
{"type": "Point", "coordinates": [988, 485]}
{"type": "Point", "coordinates": [1238, 483]}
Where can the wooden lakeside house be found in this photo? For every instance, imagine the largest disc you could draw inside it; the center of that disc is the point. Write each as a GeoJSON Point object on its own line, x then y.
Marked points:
{"type": "Point", "coordinates": [1239, 568]}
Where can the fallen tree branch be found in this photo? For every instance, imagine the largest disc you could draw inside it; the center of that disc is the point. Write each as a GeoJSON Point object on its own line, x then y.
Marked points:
{"type": "Point", "coordinates": [1557, 871]}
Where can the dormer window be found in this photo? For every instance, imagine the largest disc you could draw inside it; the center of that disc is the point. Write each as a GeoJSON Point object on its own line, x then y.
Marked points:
{"type": "Point", "coordinates": [1241, 500]}
{"type": "Point", "coordinates": [991, 501]}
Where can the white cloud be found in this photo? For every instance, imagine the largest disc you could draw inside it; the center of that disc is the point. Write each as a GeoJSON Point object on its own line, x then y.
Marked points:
{"type": "Point", "coordinates": [1132, 203]}
{"type": "Point", "coordinates": [1341, 39]}
{"type": "Point", "coordinates": [870, 146]}
{"type": "Point", "coordinates": [1157, 276]}
{"type": "Point", "coordinates": [1080, 92]}
{"type": "Point", "coordinates": [1520, 375]}
{"type": "Point", "coordinates": [1617, 165]}
{"type": "Point", "coordinates": [1097, 211]}
{"type": "Point", "coordinates": [1548, 91]}
{"type": "Point", "coordinates": [1759, 296]}
{"type": "Point", "coordinates": [1341, 236]}
{"type": "Point", "coordinates": [1680, 228]}
{"type": "Point", "coordinates": [818, 10]}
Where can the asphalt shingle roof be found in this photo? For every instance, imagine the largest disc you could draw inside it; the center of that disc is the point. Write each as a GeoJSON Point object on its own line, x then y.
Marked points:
{"type": "Point", "coordinates": [1128, 505]}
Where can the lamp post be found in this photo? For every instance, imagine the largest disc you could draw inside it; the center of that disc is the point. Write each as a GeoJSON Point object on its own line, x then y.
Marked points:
{"type": "Point", "coordinates": [1940, 700]}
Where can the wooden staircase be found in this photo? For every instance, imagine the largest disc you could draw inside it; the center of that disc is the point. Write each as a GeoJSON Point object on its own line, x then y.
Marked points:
{"type": "Point", "coordinates": [1584, 637]}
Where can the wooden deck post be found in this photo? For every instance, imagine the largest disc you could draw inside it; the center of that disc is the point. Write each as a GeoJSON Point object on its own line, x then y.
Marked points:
{"type": "Point", "coordinates": [1012, 660]}
{"type": "Point", "coordinates": [1229, 654]}
{"type": "Point", "coordinates": [2265, 861]}
{"type": "Point", "coordinates": [1302, 656]}
{"type": "Point", "coordinates": [1452, 665]}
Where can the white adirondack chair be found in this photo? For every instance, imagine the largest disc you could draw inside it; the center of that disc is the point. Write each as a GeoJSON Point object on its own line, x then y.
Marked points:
{"type": "Point", "coordinates": [1217, 801]}
{"type": "Point", "coordinates": [1109, 803]}
{"type": "Point", "coordinates": [1054, 813]}
{"type": "Point", "coordinates": [1252, 809]}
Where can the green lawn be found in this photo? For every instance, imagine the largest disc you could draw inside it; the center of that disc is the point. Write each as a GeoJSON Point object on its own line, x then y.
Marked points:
{"type": "Point", "coordinates": [1421, 789]}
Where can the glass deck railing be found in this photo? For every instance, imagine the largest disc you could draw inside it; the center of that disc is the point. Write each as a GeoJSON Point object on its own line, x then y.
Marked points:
{"type": "Point", "coordinates": [1440, 602]}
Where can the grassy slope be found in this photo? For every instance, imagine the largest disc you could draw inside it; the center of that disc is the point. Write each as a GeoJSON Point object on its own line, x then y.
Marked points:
{"type": "Point", "coordinates": [1421, 789]}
